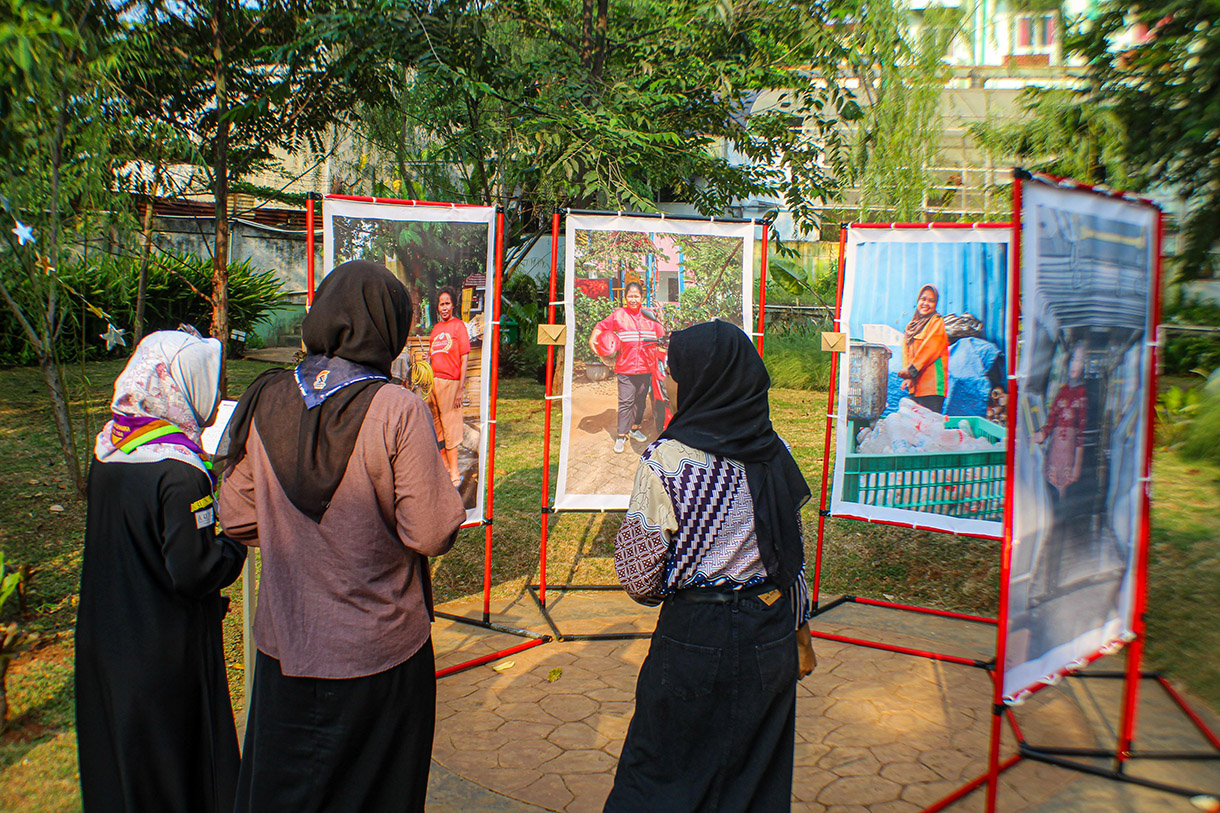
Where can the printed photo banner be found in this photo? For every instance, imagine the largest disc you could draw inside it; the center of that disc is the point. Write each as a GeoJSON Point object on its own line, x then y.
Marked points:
{"type": "Point", "coordinates": [1088, 269]}
{"type": "Point", "coordinates": [434, 249]}
{"type": "Point", "coordinates": [629, 283]}
{"type": "Point", "coordinates": [920, 428]}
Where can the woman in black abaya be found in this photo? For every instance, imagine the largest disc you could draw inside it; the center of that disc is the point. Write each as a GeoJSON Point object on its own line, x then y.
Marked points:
{"type": "Point", "coordinates": [153, 720]}
{"type": "Point", "coordinates": [712, 533]}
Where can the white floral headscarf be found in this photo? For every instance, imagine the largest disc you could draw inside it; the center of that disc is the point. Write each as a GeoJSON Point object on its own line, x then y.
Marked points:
{"type": "Point", "coordinates": [172, 376]}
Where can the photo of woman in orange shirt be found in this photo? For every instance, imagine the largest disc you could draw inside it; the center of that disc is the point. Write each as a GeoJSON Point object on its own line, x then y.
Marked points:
{"type": "Point", "coordinates": [925, 353]}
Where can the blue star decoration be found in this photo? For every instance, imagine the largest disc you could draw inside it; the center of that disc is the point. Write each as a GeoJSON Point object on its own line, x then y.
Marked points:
{"type": "Point", "coordinates": [24, 233]}
{"type": "Point", "coordinates": [113, 337]}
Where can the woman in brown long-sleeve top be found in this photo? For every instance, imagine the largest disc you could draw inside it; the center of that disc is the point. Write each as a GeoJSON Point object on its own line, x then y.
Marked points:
{"type": "Point", "coordinates": [337, 478]}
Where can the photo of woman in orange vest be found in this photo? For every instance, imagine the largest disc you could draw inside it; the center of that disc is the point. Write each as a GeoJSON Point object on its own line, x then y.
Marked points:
{"type": "Point", "coordinates": [925, 353]}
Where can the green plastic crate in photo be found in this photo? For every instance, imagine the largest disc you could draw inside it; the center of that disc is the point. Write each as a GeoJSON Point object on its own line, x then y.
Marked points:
{"type": "Point", "coordinates": [961, 484]}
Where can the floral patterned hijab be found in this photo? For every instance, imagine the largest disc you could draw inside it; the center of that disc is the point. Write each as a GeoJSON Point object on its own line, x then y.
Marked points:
{"type": "Point", "coordinates": [162, 399]}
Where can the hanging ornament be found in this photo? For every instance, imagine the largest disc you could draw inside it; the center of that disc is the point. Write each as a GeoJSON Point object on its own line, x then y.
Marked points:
{"type": "Point", "coordinates": [113, 337]}
{"type": "Point", "coordinates": [24, 233]}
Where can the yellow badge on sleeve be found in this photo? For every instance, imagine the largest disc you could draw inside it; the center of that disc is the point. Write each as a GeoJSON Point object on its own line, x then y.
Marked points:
{"type": "Point", "coordinates": [202, 502]}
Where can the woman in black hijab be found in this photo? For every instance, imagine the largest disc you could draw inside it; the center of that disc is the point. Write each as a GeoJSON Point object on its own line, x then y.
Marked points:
{"type": "Point", "coordinates": [713, 533]}
{"type": "Point", "coordinates": [337, 478]}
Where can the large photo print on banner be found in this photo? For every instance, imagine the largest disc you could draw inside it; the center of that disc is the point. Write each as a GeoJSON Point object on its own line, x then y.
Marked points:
{"type": "Point", "coordinates": [921, 402]}
{"type": "Point", "coordinates": [1087, 270]}
{"type": "Point", "coordinates": [444, 256]}
{"type": "Point", "coordinates": [630, 282]}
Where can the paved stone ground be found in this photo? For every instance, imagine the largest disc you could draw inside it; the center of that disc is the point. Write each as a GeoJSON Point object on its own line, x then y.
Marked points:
{"type": "Point", "coordinates": [876, 731]}
{"type": "Point", "coordinates": [593, 467]}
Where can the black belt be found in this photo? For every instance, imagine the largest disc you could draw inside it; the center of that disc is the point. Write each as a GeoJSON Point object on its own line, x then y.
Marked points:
{"type": "Point", "coordinates": [724, 595]}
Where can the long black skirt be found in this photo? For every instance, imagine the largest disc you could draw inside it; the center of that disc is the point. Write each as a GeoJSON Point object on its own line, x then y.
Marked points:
{"type": "Point", "coordinates": [715, 711]}
{"type": "Point", "coordinates": [314, 744]}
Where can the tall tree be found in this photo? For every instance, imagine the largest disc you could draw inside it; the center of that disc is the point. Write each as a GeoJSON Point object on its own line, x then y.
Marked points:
{"type": "Point", "coordinates": [244, 81]}
{"type": "Point", "coordinates": [901, 78]}
{"type": "Point", "coordinates": [1064, 132]}
{"type": "Point", "coordinates": [533, 104]}
{"type": "Point", "coordinates": [56, 179]}
{"type": "Point", "coordinates": [1164, 86]}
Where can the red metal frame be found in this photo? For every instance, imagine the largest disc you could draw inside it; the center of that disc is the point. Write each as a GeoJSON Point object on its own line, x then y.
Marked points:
{"type": "Point", "coordinates": [1203, 728]}
{"type": "Point", "coordinates": [762, 288]}
{"type": "Point", "coordinates": [406, 202]}
{"type": "Point", "coordinates": [930, 225]}
{"type": "Point", "coordinates": [971, 786]}
{"type": "Point", "coordinates": [893, 605]}
{"type": "Point", "coordinates": [489, 507]}
{"type": "Point", "coordinates": [309, 250]}
{"type": "Point", "coordinates": [830, 410]}
{"type": "Point", "coordinates": [546, 430]}
{"type": "Point", "coordinates": [901, 650]}
{"type": "Point", "coordinates": [547, 510]}
{"type": "Point", "coordinates": [494, 656]}
{"type": "Point", "coordinates": [823, 513]}
{"type": "Point", "coordinates": [1135, 654]}
{"type": "Point", "coordinates": [493, 391]}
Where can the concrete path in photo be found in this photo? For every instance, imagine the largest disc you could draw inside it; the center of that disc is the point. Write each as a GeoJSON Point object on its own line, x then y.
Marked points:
{"type": "Point", "coordinates": [877, 731]}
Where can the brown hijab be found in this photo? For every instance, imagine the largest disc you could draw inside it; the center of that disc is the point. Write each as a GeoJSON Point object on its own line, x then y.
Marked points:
{"type": "Point", "coordinates": [308, 422]}
{"type": "Point", "coordinates": [918, 323]}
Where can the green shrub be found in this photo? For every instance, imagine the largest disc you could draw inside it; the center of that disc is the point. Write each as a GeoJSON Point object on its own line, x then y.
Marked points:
{"type": "Point", "coordinates": [1189, 350]}
{"type": "Point", "coordinates": [524, 300]}
{"type": "Point", "coordinates": [589, 312]}
{"type": "Point", "coordinates": [177, 291]}
{"type": "Point", "coordinates": [797, 361]}
{"type": "Point", "coordinates": [1201, 436]}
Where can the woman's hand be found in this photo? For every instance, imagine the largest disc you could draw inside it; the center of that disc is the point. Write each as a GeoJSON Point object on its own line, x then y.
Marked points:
{"type": "Point", "coordinates": [806, 660]}
{"type": "Point", "coordinates": [457, 400]}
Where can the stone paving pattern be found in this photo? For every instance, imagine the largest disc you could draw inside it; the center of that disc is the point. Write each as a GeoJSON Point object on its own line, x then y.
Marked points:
{"type": "Point", "coordinates": [876, 731]}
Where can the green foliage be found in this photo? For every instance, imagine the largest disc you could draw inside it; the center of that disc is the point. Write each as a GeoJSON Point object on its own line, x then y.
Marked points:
{"type": "Point", "coordinates": [175, 293]}
{"type": "Point", "coordinates": [10, 580]}
{"type": "Point", "coordinates": [589, 312]}
{"type": "Point", "coordinates": [1185, 351]}
{"type": "Point", "coordinates": [796, 361]}
{"type": "Point", "coordinates": [1175, 412]}
{"type": "Point", "coordinates": [1165, 90]}
{"type": "Point", "coordinates": [788, 275]}
{"type": "Point", "coordinates": [898, 138]}
{"type": "Point", "coordinates": [1200, 442]}
{"type": "Point", "coordinates": [430, 255]}
{"type": "Point", "coordinates": [523, 300]}
{"type": "Point", "coordinates": [609, 104]}
{"type": "Point", "coordinates": [1064, 132]}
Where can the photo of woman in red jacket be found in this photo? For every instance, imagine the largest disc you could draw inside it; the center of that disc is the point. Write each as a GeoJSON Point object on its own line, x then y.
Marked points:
{"type": "Point", "coordinates": [637, 334]}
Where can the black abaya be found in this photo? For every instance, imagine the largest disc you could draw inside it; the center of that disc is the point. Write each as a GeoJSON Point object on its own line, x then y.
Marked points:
{"type": "Point", "coordinates": [154, 721]}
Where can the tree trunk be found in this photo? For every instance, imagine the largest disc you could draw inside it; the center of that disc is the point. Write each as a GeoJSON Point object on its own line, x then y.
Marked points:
{"type": "Point", "coordinates": [586, 33]}
{"type": "Point", "coordinates": [4, 661]}
{"type": "Point", "coordinates": [220, 188]}
{"type": "Point", "coordinates": [47, 328]}
{"type": "Point", "coordinates": [599, 40]}
{"type": "Point", "coordinates": [137, 329]}
{"type": "Point", "coordinates": [59, 411]}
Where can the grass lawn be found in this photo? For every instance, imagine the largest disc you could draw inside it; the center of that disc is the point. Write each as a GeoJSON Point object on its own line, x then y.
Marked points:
{"type": "Point", "coordinates": [38, 752]}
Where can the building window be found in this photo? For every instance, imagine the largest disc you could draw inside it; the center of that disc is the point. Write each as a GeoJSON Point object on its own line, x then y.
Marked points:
{"type": "Point", "coordinates": [1035, 33]}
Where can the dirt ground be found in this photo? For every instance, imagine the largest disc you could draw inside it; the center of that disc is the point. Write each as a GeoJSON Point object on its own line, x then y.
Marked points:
{"type": "Point", "coordinates": [593, 467]}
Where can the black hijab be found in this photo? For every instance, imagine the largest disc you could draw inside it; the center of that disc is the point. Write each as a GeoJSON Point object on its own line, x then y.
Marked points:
{"type": "Point", "coordinates": [357, 326]}
{"type": "Point", "coordinates": [723, 410]}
